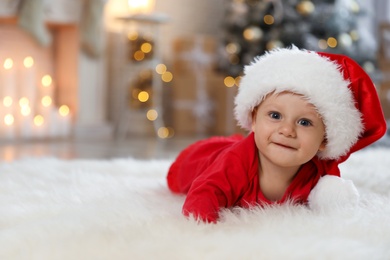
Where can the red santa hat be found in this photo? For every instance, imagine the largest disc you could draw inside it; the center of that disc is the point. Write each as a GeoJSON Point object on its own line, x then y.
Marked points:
{"type": "Point", "coordinates": [337, 86]}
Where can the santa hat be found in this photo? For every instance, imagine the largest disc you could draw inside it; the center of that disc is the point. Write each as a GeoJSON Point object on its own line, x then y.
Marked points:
{"type": "Point", "coordinates": [338, 87]}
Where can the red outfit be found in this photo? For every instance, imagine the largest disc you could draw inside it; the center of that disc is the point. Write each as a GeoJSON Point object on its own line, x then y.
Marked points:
{"type": "Point", "coordinates": [223, 172]}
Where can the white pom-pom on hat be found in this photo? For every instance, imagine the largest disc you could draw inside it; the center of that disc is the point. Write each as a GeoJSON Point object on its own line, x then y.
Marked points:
{"type": "Point", "coordinates": [332, 192]}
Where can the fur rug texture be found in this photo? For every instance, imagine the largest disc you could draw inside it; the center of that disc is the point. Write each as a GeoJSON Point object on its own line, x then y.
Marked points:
{"type": "Point", "coordinates": [122, 209]}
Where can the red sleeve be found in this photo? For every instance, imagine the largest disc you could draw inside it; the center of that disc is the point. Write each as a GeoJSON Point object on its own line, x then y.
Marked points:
{"type": "Point", "coordinates": [195, 159]}
{"type": "Point", "coordinates": [220, 185]}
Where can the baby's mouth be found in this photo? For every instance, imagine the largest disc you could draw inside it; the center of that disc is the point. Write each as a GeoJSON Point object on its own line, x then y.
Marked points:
{"type": "Point", "coordinates": [285, 146]}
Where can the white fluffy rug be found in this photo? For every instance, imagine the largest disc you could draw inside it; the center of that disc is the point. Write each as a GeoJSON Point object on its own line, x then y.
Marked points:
{"type": "Point", "coordinates": [122, 209]}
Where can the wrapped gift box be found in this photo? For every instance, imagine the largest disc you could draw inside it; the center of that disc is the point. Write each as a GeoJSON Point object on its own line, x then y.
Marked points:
{"type": "Point", "coordinates": [202, 104]}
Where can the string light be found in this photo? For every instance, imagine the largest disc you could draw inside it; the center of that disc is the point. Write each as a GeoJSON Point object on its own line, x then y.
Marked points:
{"type": "Point", "coordinates": [232, 48]}
{"type": "Point", "coordinates": [46, 80]}
{"type": "Point", "coordinates": [39, 120]}
{"type": "Point", "coordinates": [167, 76]}
{"type": "Point", "coordinates": [9, 119]}
{"type": "Point", "coordinates": [269, 19]}
{"type": "Point", "coordinates": [64, 110]}
{"type": "Point", "coordinates": [305, 7]}
{"type": "Point", "coordinates": [354, 35]}
{"type": "Point", "coordinates": [274, 44]}
{"type": "Point", "coordinates": [7, 101]}
{"type": "Point", "coordinates": [28, 62]}
{"type": "Point", "coordinates": [146, 47]}
{"type": "Point", "coordinates": [161, 69]}
{"type": "Point", "coordinates": [332, 42]}
{"type": "Point", "coordinates": [229, 81]}
{"type": "Point", "coordinates": [237, 80]}
{"type": "Point", "coordinates": [253, 33]}
{"type": "Point", "coordinates": [143, 96]}
{"type": "Point", "coordinates": [8, 64]}
{"type": "Point", "coordinates": [165, 132]}
{"type": "Point", "coordinates": [152, 115]}
{"type": "Point", "coordinates": [368, 66]}
{"type": "Point", "coordinates": [322, 44]}
{"type": "Point", "coordinates": [25, 111]}
{"type": "Point", "coordinates": [139, 55]}
{"type": "Point", "coordinates": [132, 36]}
{"type": "Point", "coordinates": [355, 7]}
{"type": "Point", "coordinates": [46, 101]}
{"type": "Point", "coordinates": [345, 39]}
{"type": "Point", "coordinates": [23, 102]}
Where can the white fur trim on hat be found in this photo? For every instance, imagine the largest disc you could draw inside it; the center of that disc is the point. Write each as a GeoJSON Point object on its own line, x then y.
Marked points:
{"type": "Point", "coordinates": [313, 76]}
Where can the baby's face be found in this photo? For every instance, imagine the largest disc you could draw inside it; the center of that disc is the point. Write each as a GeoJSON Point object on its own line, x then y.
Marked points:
{"type": "Point", "coordinates": [288, 130]}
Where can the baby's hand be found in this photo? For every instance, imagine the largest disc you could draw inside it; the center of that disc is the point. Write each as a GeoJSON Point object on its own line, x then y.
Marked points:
{"type": "Point", "coordinates": [332, 192]}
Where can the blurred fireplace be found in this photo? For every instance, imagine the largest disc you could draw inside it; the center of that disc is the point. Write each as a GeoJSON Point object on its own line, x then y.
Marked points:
{"type": "Point", "coordinates": [38, 85]}
{"type": "Point", "coordinates": [63, 89]}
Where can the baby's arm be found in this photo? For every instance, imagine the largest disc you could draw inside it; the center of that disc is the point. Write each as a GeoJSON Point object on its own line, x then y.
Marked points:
{"type": "Point", "coordinates": [219, 186]}
{"type": "Point", "coordinates": [203, 203]}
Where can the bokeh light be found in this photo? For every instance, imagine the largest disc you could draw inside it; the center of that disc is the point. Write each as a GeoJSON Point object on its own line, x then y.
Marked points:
{"type": "Point", "coordinates": [161, 68]}
{"type": "Point", "coordinates": [269, 19]}
{"type": "Point", "coordinates": [46, 101]}
{"type": "Point", "coordinates": [46, 80]}
{"type": "Point", "coordinates": [64, 110]}
{"type": "Point", "coordinates": [9, 119]}
{"type": "Point", "coordinates": [7, 101]}
{"type": "Point", "coordinates": [8, 64]}
{"type": "Point", "coordinates": [152, 115]}
{"type": "Point", "coordinates": [229, 81]}
{"type": "Point", "coordinates": [167, 76]}
{"type": "Point", "coordinates": [28, 62]}
{"type": "Point", "coordinates": [143, 96]}
{"type": "Point", "coordinates": [39, 120]}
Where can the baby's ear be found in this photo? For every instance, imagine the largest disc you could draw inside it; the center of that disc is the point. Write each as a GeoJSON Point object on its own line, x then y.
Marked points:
{"type": "Point", "coordinates": [253, 115]}
{"type": "Point", "coordinates": [323, 145]}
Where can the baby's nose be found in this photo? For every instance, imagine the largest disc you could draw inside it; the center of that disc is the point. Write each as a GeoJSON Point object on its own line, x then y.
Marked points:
{"type": "Point", "coordinates": [287, 129]}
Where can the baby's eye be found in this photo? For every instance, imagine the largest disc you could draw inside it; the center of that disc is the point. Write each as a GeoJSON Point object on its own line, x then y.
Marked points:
{"type": "Point", "coordinates": [305, 122]}
{"type": "Point", "coordinates": [275, 115]}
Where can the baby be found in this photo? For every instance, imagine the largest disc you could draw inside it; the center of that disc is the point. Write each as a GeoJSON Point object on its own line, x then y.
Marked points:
{"type": "Point", "coordinates": [306, 113]}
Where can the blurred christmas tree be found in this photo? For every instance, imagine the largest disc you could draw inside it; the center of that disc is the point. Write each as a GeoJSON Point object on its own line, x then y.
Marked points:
{"type": "Point", "coordinates": [252, 27]}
